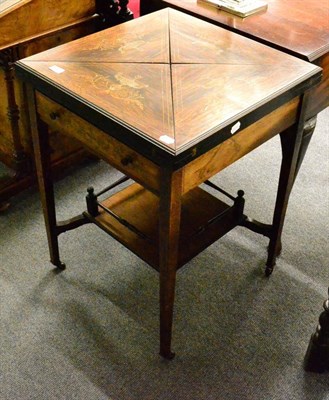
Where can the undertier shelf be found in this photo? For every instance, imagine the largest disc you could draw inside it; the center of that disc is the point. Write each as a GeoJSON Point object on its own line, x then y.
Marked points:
{"type": "Point", "coordinates": [204, 219]}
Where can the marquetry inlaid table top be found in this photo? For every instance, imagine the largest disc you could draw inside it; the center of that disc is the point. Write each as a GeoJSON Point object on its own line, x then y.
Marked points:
{"type": "Point", "coordinates": [171, 79]}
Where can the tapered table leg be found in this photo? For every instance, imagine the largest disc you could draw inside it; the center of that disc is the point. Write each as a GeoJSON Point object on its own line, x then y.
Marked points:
{"type": "Point", "coordinates": [40, 136]}
{"type": "Point", "coordinates": [291, 140]}
{"type": "Point", "coordinates": [169, 225]}
{"type": "Point", "coordinates": [287, 172]}
{"type": "Point", "coordinates": [308, 131]}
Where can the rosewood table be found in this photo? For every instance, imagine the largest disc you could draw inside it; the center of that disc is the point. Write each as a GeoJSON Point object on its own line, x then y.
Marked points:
{"type": "Point", "coordinates": [169, 116]}
{"type": "Point", "coordinates": [295, 27]}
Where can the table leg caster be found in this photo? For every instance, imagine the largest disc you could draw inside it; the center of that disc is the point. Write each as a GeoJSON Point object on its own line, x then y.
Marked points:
{"type": "Point", "coordinates": [60, 265]}
{"type": "Point", "coordinates": [274, 250]}
{"type": "Point", "coordinates": [167, 355]}
{"type": "Point", "coordinates": [269, 270]}
{"type": "Point", "coordinates": [4, 206]}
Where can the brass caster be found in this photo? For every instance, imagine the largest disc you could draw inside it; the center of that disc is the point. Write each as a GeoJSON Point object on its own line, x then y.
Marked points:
{"type": "Point", "coordinates": [168, 356]}
{"type": "Point", "coordinates": [268, 271]}
{"type": "Point", "coordinates": [61, 266]}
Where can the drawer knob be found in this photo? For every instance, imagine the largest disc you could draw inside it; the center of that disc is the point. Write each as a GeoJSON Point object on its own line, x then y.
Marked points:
{"type": "Point", "coordinates": [127, 160]}
{"type": "Point", "coordinates": [54, 115]}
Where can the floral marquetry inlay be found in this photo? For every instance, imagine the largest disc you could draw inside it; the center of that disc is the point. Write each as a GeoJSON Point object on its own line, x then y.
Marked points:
{"type": "Point", "coordinates": [126, 89]}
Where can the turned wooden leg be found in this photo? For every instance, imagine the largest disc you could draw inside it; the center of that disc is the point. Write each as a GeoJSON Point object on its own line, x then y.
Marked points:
{"type": "Point", "coordinates": [21, 163]}
{"type": "Point", "coordinates": [41, 147]}
{"type": "Point", "coordinates": [112, 12]}
{"type": "Point", "coordinates": [317, 355]}
{"type": "Point", "coordinates": [124, 11]}
{"type": "Point", "coordinates": [169, 224]}
{"type": "Point", "coordinates": [18, 176]}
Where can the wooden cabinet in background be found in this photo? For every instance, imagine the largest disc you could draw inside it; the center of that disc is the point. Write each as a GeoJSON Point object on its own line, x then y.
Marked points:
{"type": "Point", "coordinates": [28, 27]}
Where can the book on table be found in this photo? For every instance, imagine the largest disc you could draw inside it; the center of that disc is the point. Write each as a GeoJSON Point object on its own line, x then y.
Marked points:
{"type": "Point", "coordinates": [242, 8]}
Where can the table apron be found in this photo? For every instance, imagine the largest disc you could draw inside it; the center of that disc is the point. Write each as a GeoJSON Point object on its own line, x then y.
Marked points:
{"type": "Point", "coordinates": [147, 173]}
{"type": "Point", "coordinates": [319, 96]}
{"type": "Point", "coordinates": [226, 153]}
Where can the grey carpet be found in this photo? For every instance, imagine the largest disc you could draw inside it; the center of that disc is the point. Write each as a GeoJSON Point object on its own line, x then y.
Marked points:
{"type": "Point", "coordinates": [91, 332]}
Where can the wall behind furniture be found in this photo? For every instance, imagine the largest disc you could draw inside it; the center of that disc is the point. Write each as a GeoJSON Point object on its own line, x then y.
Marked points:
{"type": "Point", "coordinates": [134, 7]}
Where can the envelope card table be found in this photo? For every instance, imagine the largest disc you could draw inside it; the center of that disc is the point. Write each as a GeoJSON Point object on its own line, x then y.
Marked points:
{"type": "Point", "coordinates": [170, 101]}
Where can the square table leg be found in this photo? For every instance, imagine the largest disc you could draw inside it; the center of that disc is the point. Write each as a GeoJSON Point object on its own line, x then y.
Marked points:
{"type": "Point", "coordinates": [169, 226]}
{"type": "Point", "coordinates": [40, 135]}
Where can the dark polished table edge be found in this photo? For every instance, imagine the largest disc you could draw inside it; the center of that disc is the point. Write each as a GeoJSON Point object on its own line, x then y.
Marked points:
{"type": "Point", "coordinates": [140, 143]}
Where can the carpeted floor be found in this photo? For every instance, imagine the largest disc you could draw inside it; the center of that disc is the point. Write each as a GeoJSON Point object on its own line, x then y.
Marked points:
{"type": "Point", "coordinates": [91, 332]}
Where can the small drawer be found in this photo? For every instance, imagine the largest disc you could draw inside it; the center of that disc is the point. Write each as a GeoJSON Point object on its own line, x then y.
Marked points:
{"type": "Point", "coordinates": [117, 154]}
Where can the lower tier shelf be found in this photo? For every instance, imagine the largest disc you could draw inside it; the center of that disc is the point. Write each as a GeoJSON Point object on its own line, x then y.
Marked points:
{"type": "Point", "coordinates": [204, 219]}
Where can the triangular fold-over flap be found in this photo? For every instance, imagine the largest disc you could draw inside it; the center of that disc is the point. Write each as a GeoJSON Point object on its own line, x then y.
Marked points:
{"type": "Point", "coordinates": [195, 41]}
{"type": "Point", "coordinates": [147, 42]}
{"type": "Point", "coordinates": [136, 95]}
{"type": "Point", "coordinates": [216, 95]}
